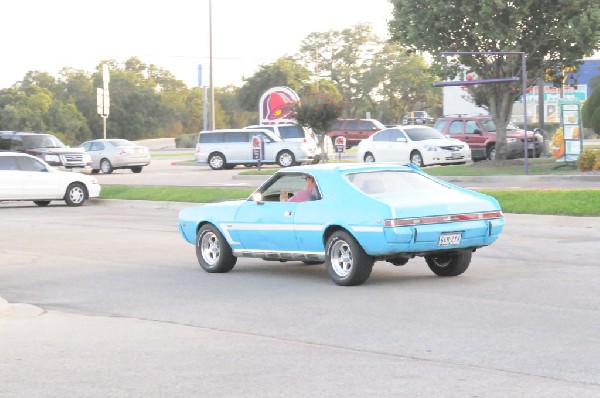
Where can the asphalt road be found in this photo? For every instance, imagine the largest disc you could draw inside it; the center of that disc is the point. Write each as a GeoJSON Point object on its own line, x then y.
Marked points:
{"type": "Point", "coordinates": [108, 300]}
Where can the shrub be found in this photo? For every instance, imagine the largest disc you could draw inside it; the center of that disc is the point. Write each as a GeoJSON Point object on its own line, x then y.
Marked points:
{"type": "Point", "coordinates": [588, 160]}
{"type": "Point", "coordinates": [186, 140]}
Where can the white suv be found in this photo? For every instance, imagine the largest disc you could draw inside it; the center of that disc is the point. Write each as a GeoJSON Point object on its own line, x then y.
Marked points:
{"type": "Point", "coordinates": [292, 132]}
{"type": "Point", "coordinates": [226, 148]}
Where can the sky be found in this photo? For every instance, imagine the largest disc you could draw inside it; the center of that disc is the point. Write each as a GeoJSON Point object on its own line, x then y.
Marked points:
{"type": "Point", "coordinates": [46, 35]}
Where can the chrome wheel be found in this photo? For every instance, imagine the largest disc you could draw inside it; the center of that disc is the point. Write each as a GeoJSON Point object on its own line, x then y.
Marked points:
{"type": "Point", "coordinates": [416, 159]}
{"type": "Point", "coordinates": [210, 248]}
{"type": "Point", "coordinates": [76, 195]}
{"type": "Point", "coordinates": [216, 161]}
{"type": "Point", "coordinates": [341, 258]}
{"type": "Point", "coordinates": [106, 166]}
{"type": "Point", "coordinates": [285, 159]}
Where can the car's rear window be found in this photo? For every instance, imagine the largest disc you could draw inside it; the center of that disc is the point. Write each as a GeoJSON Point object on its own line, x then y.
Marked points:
{"type": "Point", "coordinates": [121, 143]}
{"type": "Point", "coordinates": [394, 182]}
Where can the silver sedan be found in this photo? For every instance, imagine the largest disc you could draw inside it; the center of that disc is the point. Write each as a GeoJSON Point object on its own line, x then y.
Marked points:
{"type": "Point", "coordinates": [111, 154]}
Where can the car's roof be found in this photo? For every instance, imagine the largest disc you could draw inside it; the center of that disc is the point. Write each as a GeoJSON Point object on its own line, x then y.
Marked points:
{"type": "Point", "coordinates": [346, 167]}
{"type": "Point", "coordinates": [24, 132]}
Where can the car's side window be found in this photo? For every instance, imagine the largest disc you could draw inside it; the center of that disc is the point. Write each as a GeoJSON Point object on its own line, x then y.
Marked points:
{"type": "Point", "coordinates": [351, 125]}
{"type": "Point", "coordinates": [96, 146]}
{"type": "Point", "coordinates": [382, 135]}
{"type": "Point", "coordinates": [291, 183]}
{"type": "Point", "coordinates": [8, 163]}
{"type": "Point", "coordinates": [456, 127]}
{"type": "Point", "coordinates": [5, 143]}
{"type": "Point", "coordinates": [470, 127]}
{"type": "Point", "coordinates": [237, 136]}
{"type": "Point", "coordinates": [440, 124]}
{"type": "Point", "coordinates": [29, 164]}
{"type": "Point", "coordinates": [397, 135]}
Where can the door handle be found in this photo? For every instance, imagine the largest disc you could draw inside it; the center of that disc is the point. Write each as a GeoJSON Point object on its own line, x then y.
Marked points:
{"type": "Point", "coordinates": [287, 213]}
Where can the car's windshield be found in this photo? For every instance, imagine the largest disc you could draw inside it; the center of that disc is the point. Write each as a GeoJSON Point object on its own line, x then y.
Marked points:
{"type": "Point", "coordinates": [394, 181]}
{"type": "Point", "coordinates": [42, 141]}
{"type": "Point", "coordinates": [423, 133]}
{"type": "Point", "coordinates": [490, 126]}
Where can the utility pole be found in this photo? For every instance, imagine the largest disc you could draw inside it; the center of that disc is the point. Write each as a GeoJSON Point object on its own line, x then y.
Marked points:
{"type": "Point", "coordinates": [212, 88]}
{"type": "Point", "coordinates": [103, 97]}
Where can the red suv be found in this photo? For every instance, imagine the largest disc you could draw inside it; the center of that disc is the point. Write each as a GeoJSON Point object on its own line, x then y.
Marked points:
{"type": "Point", "coordinates": [480, 133]}
{"type": "Point", "coordinates": [354, 130]}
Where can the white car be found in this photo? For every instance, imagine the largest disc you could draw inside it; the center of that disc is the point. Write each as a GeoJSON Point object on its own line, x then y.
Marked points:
{"type": "Point", "coordinates": [116, 153]}
{"type": "Point", "coordinates": [25, 177]}
{"type": "Point", "coordinates": [420, 145]}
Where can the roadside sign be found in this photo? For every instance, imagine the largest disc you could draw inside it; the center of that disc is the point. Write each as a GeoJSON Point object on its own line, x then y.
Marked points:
{"type": "Point", "coordinates": [340, 144]}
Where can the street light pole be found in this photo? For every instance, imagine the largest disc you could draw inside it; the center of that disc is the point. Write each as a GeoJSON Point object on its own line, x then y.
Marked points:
{"type": "Point", "coordinates": [212, 88]}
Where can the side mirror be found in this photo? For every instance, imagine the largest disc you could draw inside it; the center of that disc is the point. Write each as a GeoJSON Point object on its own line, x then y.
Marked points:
{"type": "Point", "coordinates": [257, 197]}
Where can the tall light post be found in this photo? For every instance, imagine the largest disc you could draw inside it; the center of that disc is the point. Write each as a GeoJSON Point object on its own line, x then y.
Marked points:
{"type": "Point", "coordinates": [210, 67]}
{"type": "Point", "coordinates": [103, 97]}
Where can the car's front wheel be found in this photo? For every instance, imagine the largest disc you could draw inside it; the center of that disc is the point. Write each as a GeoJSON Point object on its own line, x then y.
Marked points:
{"type": "Point", "coordinates": [416, 158]}
{"type": "Point", "coordinates": [136, 169]}
{"type": "Point", "coordinates": [285, 159]}
{"type": "Point", "coordinates": [106, 166]}
{"type": "Point", "coordinates": [346, 261]}
{"type": "Point", "coordinates": [213, 252]}
{"type": "Point", "coordinates": [76, 194]}
{"type": "Point", "coordinates": [449, 264]}
{"type": "Point", "coordinates": [369, 158]}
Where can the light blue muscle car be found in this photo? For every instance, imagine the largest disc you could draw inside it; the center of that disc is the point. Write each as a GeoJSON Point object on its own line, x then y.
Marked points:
{"type": "Point", "coordinates": [358, 213]}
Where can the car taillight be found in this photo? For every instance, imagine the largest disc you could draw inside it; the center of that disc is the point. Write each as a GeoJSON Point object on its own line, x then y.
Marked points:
{"type": "Point", "coordinates": [403, 222]}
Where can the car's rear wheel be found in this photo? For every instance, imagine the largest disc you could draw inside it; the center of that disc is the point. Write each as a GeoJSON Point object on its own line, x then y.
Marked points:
{"type": "Point", "coordinates": [369, 158]}
{"type": "Point", "coordinates": [416, 158]}
{"type": "Point", "coordinates": [346, 261]}
{"type": "Point", "coordinates": [491, 152]}
{"type": "Point", "coordinates": [42, 203]}
{"type": "Point", "coordinates": [449, 264]}
{"type": "Point", "coordinates": [213, 252]}
{"type": "Point", "coordinates": [285, 159]}
{"type": "Point", "coordinates": [136, 169]}
{"type": "Point", "coordinates": [106, 166]}
{"type": "Point", "coordinates": [76, 194]}
{"type": "Point", "coordinates": [312, 262]}
{"type": "Point", "coordinates": [216, 161]}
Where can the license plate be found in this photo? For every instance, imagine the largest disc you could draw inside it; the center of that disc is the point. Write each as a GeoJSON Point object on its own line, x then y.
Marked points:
{"type": "Point", "coordinates": [456, 155]}
{"type": "Point", "coordinates": [449, 239]}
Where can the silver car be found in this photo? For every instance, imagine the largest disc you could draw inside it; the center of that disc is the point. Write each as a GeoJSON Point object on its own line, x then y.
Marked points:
{"type": "Point", "coordinates": [115, 153]}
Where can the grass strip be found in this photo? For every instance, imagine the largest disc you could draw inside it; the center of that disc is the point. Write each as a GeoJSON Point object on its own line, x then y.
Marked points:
{"type": "Point", "coordinates": [555, 202]}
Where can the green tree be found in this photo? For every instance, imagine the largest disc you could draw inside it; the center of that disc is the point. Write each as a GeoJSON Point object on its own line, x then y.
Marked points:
{"type": "Point", "coordinates": [284, 72]}
{"type": "Point", "coordinates": [545, 30]}
{"type": "Point", "coordinates": [590, 111]}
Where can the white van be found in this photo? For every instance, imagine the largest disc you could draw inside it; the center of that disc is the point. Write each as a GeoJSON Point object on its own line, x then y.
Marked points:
{"type": "Point", "coordinates": [226, 148]}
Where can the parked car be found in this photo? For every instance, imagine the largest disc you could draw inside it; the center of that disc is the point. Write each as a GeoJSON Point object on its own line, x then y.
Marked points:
{"type": "Point", "coordinates": [293, 132]}
{"type": "Point", "coordinates": [417, 117]}
{"type": "Point", "coordinates": [26, 177]}
{"type": "Point", "coordinates": [111, 154]}
{"type": "Point", "coordinates": [226, 148]}
{"type": "Point", "coordinates": [480, 133]}
{"type": "Point", "coordinates": [362, 213]}
{"type": "Point", "coordinates": [420, 145]}
{"type": "Point", "coordinates": [47, 147]}
{"type": "Point", "coordinates": [354, 130]}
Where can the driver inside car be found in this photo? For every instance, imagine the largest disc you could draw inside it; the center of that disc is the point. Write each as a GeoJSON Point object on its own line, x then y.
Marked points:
{"type": "Point", "coordinates": [309, 193]}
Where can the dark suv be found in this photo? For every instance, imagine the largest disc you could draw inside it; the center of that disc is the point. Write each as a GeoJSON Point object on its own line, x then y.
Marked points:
{"type": "Point", "coordinates": [480, 133]}
{"type": "Point", "coordinates": [354, 130]}
{"type": "Point", "coordinates": [47, 147]}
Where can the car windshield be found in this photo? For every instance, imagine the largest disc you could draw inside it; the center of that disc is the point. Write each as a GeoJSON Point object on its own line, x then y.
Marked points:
{"type": "Point", "coordinates": [394, 181]}
{"type": "Point", "coordinates": [490, 126]}
{"type": "Point", "coordinates": [424, 133]}
{"type": "Point", "coordinates": [42, 141]}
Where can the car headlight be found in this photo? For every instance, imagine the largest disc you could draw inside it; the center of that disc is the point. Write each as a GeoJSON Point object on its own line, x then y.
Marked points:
{"type": "Point", "coordinates": [512, 140]}
{"type": "Point", "coordinates": [431, 148]}
{"type": "Point", "coordinates": [51, 158]}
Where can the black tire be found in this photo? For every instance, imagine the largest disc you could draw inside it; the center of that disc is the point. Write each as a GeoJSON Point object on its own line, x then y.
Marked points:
{"type": "Point", "coordinates": [76, 194]}
{"type": "Point", "coordinates": [285, 159]}
{"type": "Point", "coordinates": [369, 158]}
{"type": "Point", "coordinates": [42, 203]}
{"type": "Point", "coordinates": [106, 166]}
{"type": "Point", "coordinates": [491, 152]}
{"type": "Point", "coordinates": [213, 252]}
{"type": "Point", "coordinates": [449, 264]}
{"type": "Point", "coordinates": [217, 161]}
{"type": "Point", "coordinates": [136, 169]}
{"type": "Point", "coordinates": [346, 261]}
{"type": "Point", "coordinates": [416, 158]}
